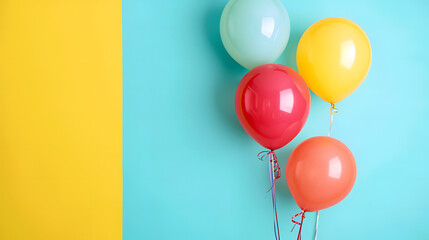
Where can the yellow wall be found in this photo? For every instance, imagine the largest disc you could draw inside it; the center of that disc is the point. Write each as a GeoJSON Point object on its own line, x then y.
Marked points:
{"type": "Point", "coordinates": [60, 119]}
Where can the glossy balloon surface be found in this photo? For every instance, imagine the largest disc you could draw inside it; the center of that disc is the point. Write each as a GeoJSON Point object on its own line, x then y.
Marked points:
{"type": "Point", "coordinates": [333, 57]}
{"type": "Point", "coordinates": [254, 32]}
{"type": "Point", "coordinates": [320, 172]}
{"type": "Point", "coordinates": [272, 103]}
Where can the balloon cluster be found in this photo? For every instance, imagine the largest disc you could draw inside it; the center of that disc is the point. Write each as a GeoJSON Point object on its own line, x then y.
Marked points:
{"type": "Point", "coordinates": [272, 101]}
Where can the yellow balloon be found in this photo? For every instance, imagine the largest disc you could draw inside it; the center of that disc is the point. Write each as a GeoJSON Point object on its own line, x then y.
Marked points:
{"type": "Point", "coordinates": [333, 57]}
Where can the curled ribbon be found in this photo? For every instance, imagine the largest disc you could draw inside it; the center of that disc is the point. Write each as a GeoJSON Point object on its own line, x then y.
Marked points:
{"type": "Point", "coordinates": [274, 169]}
{"type": "Point", "coordinates": [302, 213]}
{"type": "Point", "coordinates": [273, 161]}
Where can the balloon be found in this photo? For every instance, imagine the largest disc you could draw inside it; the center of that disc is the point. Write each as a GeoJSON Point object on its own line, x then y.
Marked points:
{"type": "Point", "coordinates": [333, 57]}
{"type": "Point", "coordinates": [272, 103]}
{"type": "Point", "coordinates": [254, 32]}
{"type": "Point", "coordinates": [320, 172]}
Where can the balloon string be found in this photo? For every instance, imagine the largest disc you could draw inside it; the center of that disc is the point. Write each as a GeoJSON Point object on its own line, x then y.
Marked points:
{"type": "Point", "coordinates": [333, 109]}
{"type": "Point", "coordinates": [274, 170]}
{"type": "Point", "coordinates": [317, 224]}
{"type": "Point", "coordinates": [302, 213]}
{"type": "Point", "coordinates": [273, 196]}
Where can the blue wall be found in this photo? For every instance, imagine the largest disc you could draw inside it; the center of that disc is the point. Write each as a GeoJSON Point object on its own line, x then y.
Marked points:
{"type": "Point", "coordinates": [190, 170]}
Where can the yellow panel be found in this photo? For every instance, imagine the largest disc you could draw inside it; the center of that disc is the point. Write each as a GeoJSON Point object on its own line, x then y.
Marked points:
{"type": "Point", "coordinates": [60, 120]}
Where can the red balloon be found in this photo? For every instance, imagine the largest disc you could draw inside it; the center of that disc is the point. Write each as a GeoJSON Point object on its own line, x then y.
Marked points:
{"type": "Point", "coordinates": [272, 103]}
{"type": "Point", "coordinates": [320, 172]}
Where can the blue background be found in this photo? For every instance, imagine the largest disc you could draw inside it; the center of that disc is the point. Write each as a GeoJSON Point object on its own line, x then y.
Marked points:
{"type": "Point", "coordinates": [190, 170]}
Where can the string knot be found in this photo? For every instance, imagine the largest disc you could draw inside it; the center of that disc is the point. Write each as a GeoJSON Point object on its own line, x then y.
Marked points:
{"type": "Point", "coordinates": [272, 157]}
{"type": "Point", "coordinates": [297, 215]}
{"type": "Point", "coordinates": [334, 109]}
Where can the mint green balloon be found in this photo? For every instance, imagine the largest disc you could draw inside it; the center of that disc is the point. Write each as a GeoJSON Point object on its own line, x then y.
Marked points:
{"type": "Point", "coordinates": [254, 32]}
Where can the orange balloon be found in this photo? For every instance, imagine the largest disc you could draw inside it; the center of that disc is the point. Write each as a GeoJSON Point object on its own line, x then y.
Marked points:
{"type": "Point", "coordinates": [320, 172]}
